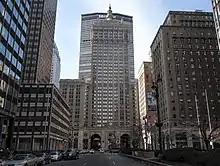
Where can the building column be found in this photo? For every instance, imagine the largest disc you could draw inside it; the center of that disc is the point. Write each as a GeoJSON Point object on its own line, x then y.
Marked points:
{"type": "Point", "coordinates": [189, 140]}
{"type": "Point", "coordinates": [10, 133]}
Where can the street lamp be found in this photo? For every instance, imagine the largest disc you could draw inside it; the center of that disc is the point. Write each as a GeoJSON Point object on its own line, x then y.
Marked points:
{"type": "Point", "coordinates": [158, 123]}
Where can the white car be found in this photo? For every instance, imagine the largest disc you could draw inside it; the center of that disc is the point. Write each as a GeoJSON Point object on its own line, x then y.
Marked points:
{"type": "Point", "coordinates": [91, 151]}
{"type": "Point", "coordinates": [23, 160]}
{"type": "Point", "coordinates": [101, 150]}
{"type": "Point", "coordinates": [2, 162]}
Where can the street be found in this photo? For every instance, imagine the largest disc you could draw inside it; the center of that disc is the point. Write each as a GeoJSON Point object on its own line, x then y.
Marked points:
{"type": "Point", "coordinates": [98, 159]}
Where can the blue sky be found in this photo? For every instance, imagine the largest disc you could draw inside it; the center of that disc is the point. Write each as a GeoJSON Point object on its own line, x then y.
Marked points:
{"type": "Point", "coordinates": [148, 15]}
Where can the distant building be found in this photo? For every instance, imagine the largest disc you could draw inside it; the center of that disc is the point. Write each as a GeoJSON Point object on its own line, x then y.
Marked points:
{"type": "Point", "coordinates": [147, 102]}
{"type": "Point", "coordinates": [186, 57]}
{"type": "Point", "coordinates": [55, 67]}
{"type": "Point", "coordinates": [40, 42]}
{"type": "Point", "coordinates": [43, 119]}
{"type": "Point", "coordinates": [107, 62]}
{"type": "Point", "coordinates": [77, 93]}
{"type": "Point", "coordinates": [216, 15]}
{"type": "Point", "coordinates": [13, 32]}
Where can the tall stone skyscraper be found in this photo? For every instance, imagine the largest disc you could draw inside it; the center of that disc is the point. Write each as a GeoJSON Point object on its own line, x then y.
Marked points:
{"type": "Point", "coordinates": [186, 64]}
{"type": "Point", "coordinates": [107, 61]}
{"type": "Point", "coordinates": [40, 39]}
{"type": "Point", "coordinates": [216, 13]}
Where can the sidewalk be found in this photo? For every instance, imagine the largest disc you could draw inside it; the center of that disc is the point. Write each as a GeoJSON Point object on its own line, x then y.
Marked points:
{"type": "Point", "coordinates": [154, 162]}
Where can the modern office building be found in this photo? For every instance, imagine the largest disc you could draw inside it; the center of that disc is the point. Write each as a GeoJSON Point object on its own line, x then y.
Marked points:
{"type": "Point", "coordinates": [185, 56]}
{"type": "Point", "coordinates": [13, 29]}
{"type": "Point", "coordinates": [107, 61]}
{"type": "Point", "coordinates": [216, 13]}
{"type": "Point", "coordinates": [147, 102]}
{"type": "Point", "coordinates": [77, 93]}
{"type": "Point", "coordinates": [43, 119]}
{"type": "Point", "coordinates": [55, 67]}
{"type": "Point", "coordinates": [40, 42]}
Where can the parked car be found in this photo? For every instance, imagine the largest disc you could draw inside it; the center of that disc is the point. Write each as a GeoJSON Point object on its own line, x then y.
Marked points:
{"type": "Point", "coordinates": [71, 154]}
{"type": "Point", "coordinates": [43, 158]}
{"type": "Point", "coordinates": [101, 150]}
{"type": "Point", "coordinates": [56, 156]}
{"type": "Point", "coordinates": [91, 151]}
{"type": "Point", "coordinates": [23, 160]}
{"type": "Point", "coordinates": [2, 162]}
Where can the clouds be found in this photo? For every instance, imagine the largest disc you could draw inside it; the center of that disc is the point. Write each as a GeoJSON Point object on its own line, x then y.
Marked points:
{"type": "Point", "coordinates": [148, 15]}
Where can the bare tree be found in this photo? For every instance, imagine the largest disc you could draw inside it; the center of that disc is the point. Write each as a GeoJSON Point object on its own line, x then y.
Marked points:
{"type": "Point", "coordinates": [209, 136]}
{"type": "Point", "coordinates": [137, 131]}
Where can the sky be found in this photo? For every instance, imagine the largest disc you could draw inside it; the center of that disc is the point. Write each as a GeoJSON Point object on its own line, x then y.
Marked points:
{"type": "Point", "coordinates": [148, 15]}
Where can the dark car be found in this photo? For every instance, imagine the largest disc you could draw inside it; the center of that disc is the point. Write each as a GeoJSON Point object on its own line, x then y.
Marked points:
{"type": "Point", "coordinates": [71, 154]}
{"type": "Point", "coordinates": [44, 158]}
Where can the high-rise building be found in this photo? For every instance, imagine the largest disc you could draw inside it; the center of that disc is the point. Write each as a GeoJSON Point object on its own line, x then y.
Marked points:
{"type": "Point", "coordinates": [13, 27]}
{"type": "Point", "coordinates": [216, 13]}
{"type": "Point", "coordinates": [107, 61]}
{"type": "Point", "coordinates": [185, 56]}
{"type": "Point", "coordinates": [40, 40]}
{"type": "Point", "coordinates": [43, 119]}
{"type": "Point", "coordinates": [55, 67]}
{"type": "Point", "coordinates": [78, 95]}
{"type": "Point", "coordinates": [147, 104]}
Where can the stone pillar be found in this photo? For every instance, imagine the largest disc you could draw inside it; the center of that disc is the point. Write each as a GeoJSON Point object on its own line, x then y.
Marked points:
{"type": "Point", "coordinates": [189, 140]}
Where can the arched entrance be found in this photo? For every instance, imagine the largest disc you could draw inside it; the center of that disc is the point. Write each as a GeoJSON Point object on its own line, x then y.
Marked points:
{"type": "Point", "coordinates": [125, 141]}
{"type": "Point", "coordinates": [95, 142]}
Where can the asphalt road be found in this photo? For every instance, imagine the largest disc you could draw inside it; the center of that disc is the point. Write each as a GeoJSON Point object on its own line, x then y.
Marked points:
{"type": "Point", "coordinates": [98, 159]}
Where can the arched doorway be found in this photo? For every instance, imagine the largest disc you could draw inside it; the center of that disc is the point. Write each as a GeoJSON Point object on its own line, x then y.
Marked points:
{"type": "Point", "coordinates": [95, 142]}
{"type": "Point", "coordinates": [125, 141]}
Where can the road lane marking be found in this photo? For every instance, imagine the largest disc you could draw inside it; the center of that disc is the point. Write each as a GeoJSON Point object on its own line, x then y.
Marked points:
{"type": "Point", "coordinates": [113, 162]}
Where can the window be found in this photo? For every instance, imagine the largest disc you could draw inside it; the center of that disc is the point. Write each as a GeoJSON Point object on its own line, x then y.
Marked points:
{"type": "Point", "coordinates": [8, 55]}
{"type": "Point", "coordinates": [7, 17]}
{"type": "Point", "coordinates": [4, 33]}
{"type": "Point", "coordinates": [2, 48]}
{"type": "Point", "coordinates": [6, 69]}
{"type": "Point", "coordinates": [14, 61]}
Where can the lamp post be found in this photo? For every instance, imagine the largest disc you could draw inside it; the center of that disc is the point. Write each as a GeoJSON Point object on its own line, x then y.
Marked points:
{"type": "Point", "coordinates": [158, 123]}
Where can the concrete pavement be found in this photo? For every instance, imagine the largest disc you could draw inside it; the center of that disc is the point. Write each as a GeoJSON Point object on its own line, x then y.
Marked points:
{"type": "Point", "coordinates": [98, 159]}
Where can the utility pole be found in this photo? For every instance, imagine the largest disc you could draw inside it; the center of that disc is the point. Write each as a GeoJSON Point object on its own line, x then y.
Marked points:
{"type": "Point", "coordinates": [198, 122]}
{"type": "Point", "coordinates": [45, 122]}
{"type": "Point", "coordinates": [209, 118]}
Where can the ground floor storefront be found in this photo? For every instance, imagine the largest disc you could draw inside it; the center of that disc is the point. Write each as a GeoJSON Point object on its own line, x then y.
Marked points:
{"type": "Point", "coordinates": [39, 143]}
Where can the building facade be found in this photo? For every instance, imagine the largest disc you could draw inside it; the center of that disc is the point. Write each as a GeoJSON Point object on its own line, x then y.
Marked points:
{"type": "Point", "coordinates": [216, 13]}
{"type": "Point", "coordinates": [147, 103]}
{"type": "Point", "coordinates": [40, 40]}
{"type": "Point", "coordinates": [107, 61]}
{"type": "Point", "coordinates": [78, 94]}
{"type": "Point", "coordinates": [185, 56]}
{"type": "Point", "coordinates": [43, 119]}
{"type": "Point", "coordinates": [14, 17]}
{"type": "Point", "coordinates": [55, 67]}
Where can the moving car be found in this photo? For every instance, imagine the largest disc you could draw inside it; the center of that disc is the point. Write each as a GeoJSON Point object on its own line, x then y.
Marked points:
{"type": "Point", "coordinates": [23, 160]}
{"type": "Point", "coordinates": [56, 156]}
{"type": "Point", "coordinates": [43, 158]}
{"type": "Point", "coordinates": [71, 154]}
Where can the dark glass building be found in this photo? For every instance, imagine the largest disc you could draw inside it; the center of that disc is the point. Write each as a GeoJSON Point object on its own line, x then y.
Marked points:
{"type": "Point", "coordinates": [14, 15]}
{"type": "Point", "coordinates": [39, 48]}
